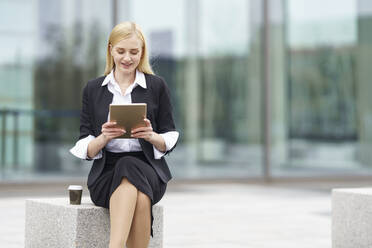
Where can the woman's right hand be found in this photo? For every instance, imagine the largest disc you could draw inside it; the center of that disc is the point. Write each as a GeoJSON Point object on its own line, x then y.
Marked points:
{"type": "Point", "coordinates": [110, 131]}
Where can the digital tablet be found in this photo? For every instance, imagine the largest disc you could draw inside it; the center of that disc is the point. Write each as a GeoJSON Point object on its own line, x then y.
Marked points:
{"type": "Point", "coordinates": [128, 116]}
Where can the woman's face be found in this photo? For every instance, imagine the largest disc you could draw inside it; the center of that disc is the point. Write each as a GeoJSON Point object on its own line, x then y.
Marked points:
{"type": "Point", "coordinates": [127, 54]}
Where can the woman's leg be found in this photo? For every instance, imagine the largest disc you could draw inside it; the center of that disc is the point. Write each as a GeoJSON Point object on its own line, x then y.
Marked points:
{"type": "Point", "coordinates": [122, 205]}
{"type": "Point", "coordinates": [139, 235]}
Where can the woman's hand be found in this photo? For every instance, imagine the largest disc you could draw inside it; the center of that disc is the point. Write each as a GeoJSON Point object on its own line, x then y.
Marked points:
{"type": "Point", "coordinates": [149, 135]}
{"type": "Point", "coordinates": [145, 133]}
{"type": "Point", "coordinates": [110, 131]}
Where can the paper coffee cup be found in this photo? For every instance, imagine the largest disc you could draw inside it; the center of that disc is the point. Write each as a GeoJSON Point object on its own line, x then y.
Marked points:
{"type": "Point", "coordinates": [75, 192]}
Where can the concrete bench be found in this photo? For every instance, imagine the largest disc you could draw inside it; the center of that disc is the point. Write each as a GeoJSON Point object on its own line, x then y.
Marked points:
{"type": "Point", "coordinates": [53, 222]}
{"type": "Point", "coordinates": [352, 218]}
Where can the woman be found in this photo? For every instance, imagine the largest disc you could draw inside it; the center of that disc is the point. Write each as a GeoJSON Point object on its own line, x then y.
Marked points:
{"type": "Point", "coordinates": [128, 176]}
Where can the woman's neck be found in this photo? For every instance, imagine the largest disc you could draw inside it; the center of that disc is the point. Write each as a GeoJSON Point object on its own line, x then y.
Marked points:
{"type": "Point", "coordinates": [124, 79]}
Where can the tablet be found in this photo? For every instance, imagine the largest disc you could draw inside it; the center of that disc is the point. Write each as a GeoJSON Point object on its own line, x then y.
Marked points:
{"type": "Point", "coordinates": [128, 116]}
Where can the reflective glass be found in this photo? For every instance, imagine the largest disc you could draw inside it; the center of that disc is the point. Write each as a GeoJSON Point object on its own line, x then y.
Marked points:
{"type": "Point", "coordinates": [210, 61]}
{"type": "Point", "coordinates": [327, 107]}
{"type": "Point", "coordinates": [211, 55]}
{"type": "Point", "coordinates": [47, 57]}
{"type": "Point", "coordinates": [209, 52]}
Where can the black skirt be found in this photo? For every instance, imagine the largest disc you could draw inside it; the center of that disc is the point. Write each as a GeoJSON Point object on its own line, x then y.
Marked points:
{"type": "Point", "coordinates": [135, 167]}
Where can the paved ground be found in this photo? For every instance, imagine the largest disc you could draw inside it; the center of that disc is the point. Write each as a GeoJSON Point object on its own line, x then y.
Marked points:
{"type": "Point", "coordinates": [213, 215]}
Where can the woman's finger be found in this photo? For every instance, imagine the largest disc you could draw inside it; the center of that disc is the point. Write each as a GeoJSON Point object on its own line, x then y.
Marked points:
{"type": "Point", "coordinates": [113, 130]}
{"type": "Point", "coordinates": [148, 123]}
{"type": "Point", "coordinates": [109, 124]}
{"type": "Point", "coordinates": [109, 132]}
{"type": "Point", "coordinates": [141, 129]}
{"type": "Point", "coordinates": [113, 133]}
{"type": "Point", "coordinates": [142, 135]}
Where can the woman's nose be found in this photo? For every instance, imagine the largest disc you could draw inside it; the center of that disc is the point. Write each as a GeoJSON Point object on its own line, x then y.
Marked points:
{"type": "Point", "coordinates": [127, 57]}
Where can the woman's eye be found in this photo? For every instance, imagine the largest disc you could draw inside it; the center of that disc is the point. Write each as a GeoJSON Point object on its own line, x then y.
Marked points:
{"type": "Point", "coordinates": [134, 53]}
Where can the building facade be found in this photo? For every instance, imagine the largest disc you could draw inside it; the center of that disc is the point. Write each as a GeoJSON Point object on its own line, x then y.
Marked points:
{"type": "Point", "coordinates": [260, 88]}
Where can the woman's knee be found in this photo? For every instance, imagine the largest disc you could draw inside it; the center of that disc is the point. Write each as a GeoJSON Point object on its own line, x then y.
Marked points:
{"type": "Point", "coordinates": [143, 204]}
{"type": "Point", "coordinates": [125, 181]}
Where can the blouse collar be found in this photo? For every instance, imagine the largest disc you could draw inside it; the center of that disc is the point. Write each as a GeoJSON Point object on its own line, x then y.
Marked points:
{"type": "Point", "coordinates": [139, 79]}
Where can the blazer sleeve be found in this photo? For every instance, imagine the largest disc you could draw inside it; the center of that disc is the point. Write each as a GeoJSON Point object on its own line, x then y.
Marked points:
{"type": "Point", "coordinates": [85, 115]}
{"type": "Point", "coordinates": [165, 121]}
{"type": "Point", "coordinates": [86, 135]}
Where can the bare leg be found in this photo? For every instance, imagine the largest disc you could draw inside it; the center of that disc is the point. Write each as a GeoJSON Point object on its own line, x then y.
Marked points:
{"type": "Point", "coordinates": [139, 235]}
{"type": "Point", "coordinates": [122, 206]}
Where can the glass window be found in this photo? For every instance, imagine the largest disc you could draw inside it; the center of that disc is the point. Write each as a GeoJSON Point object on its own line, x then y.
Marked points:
{"type": "Point", "coordinates": [325, 135]}
{"type": "Point", "coordinates": [47, 57]}
{"type": "Point", "coordinates": [210, 62]}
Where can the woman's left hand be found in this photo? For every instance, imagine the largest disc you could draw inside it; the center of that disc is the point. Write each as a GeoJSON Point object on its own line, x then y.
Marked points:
{"type": "Point", "coordinates": [145, 133]}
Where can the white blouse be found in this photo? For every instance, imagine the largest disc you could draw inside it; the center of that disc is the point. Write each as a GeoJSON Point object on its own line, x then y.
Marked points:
{"type": "Point", "coordinates": [123, 145]}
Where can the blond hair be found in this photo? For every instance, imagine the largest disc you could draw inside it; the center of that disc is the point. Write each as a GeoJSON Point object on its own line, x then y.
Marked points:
{"type": "Point", "coordinates": [123, 31]}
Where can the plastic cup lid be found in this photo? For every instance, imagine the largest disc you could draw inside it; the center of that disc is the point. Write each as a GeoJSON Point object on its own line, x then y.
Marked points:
{"type": "Point", "coordinates": [75, 187]}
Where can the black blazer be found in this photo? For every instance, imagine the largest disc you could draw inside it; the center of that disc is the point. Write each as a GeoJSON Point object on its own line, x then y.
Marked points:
{"type": "Point", "coordinates": [94, 112]}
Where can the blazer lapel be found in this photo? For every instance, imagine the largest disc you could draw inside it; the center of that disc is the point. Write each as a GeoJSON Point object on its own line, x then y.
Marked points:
{"type": "Point", "coordinates": [139, 95]}
{"type": "Point", "coordinates": [103, 104]}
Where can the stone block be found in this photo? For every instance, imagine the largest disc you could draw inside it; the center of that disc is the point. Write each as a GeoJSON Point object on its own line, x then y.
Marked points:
{"type": "Point", "coordinates": [352, 218]}
{"type": "Point", "coordinates": [53, 222]}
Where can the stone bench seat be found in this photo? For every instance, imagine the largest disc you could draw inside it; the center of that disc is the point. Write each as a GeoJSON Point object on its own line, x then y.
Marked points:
{"type": "Point", "coordinates": [352, 218]}
{"type": "Point", "coordinates": [53, 222]}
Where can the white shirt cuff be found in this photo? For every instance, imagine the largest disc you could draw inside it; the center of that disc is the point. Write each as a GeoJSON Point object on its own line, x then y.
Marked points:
{"type": "Point", "coordinates": [80, 149]}
{"type": "Point", "coordinates": [170, 139]}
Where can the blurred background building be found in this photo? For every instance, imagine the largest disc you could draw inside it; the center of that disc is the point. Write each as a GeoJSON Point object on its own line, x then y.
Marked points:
{"type": "Point", "coordinates": [261, 88]}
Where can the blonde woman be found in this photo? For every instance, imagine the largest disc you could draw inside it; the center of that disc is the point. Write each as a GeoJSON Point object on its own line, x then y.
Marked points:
{"type": "Point", "coordinates": [128, 176]}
